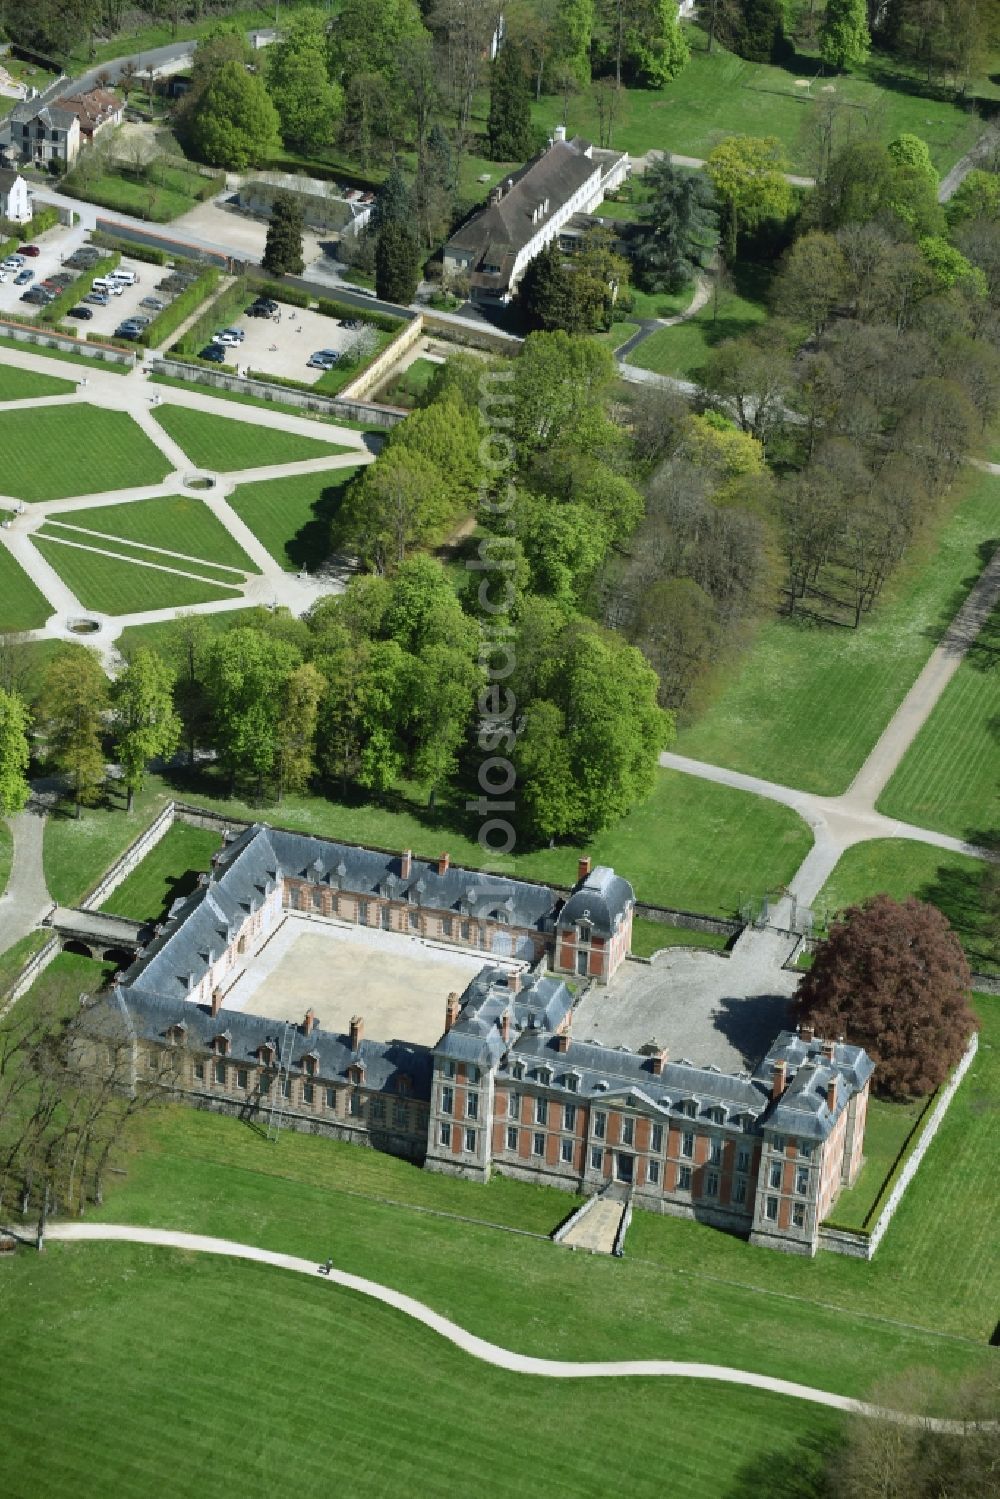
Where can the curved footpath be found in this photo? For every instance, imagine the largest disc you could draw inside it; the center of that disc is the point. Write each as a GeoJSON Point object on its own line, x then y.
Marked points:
{"type": "Point", "coordinates": [490, 1353]}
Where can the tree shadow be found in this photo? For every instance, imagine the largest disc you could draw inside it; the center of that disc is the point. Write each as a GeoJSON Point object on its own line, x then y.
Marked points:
{"type": "Point", "coordinates": [960, 592]}
{"type": "Point", "coordinates": [312, 542]}
{"type": "Point", "coordinates": [960, 895]}
{"type": "Point", "coordinates": [783, 1474]}
{"type": "Point", "coordinates": [750, 1024]}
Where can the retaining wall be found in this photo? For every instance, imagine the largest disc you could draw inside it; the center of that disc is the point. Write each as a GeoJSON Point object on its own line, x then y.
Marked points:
{"type": "Point", "coordinates": [673, 916]}
{"type": "Point", "coordinates": [99, 353]}
{"type": "Point", "coordinates": [379, 369]}
{"type": "Point", "coordinates": [32, 968]}
{"type": "Point", "coordinates": [133, 855]}
{"type": "Point", "coordinates": [264, 390]}
{"type": "Point", "coordinates": [465, 332]}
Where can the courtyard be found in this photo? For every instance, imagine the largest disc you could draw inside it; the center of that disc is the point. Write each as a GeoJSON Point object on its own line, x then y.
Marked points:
{"type": "Point", "coordinates": [398, 985]}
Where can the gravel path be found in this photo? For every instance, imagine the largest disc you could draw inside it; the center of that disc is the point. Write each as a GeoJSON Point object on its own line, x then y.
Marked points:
{"type": "Point", "coordinates": [26, 900]}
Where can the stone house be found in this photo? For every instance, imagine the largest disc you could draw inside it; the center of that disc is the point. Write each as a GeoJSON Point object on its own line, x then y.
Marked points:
{"type": "Point", "coordinates": [42, 129]}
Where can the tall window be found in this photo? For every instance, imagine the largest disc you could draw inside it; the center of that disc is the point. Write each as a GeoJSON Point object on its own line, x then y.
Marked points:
{"type": "Point", "coordinates": [653, 1173]}
{"type": "Point", "coordinates": [472, 1106]}
{"type": "Point", "coordinates": [656, 1138]}
{"type": "Point", "coordinates": [331, 1098]}
{"type": "Point", "coordinates": [444, 1134]}
{"type": "Point", "coordinates": [242, 1077]}
{"type": "Point", "coordinates": [447, 1100]}
{"type": "Point", "coordinates": [743, 1160]}
{"type": "Point", "coordinates": [220, 1073]}
{"type": "Point", "coordinates": [805, 1149]}
{"type": "Point", "coordinates": [740, 1189]}
{"type": "Point", "coordinates": [538, 1144]}
{"type": "Point", "coordinates": [308, 1093]}
{"type": "Point", "coordinates": [774, 1177]}
{"type": "Point", "coordinates": [596, 1158]}
{"type": "Point", "coordinates": [628, 1131]}
{"type": "Point", "coordinates": [711, 1184]}
{"type": "Point", "coordinates": [771, 1209]}
{"type": "Point", "coordinates": [511, 1137]}
{"type": "Point", "coordinates": [377, 1108]}
{"type": "Point", "coordinates": [799, 1214]}
{"type": "Point", "coordinates": [569, 1116]}
{"type": "Point", "coordinates": [470, 1141]}
{"type": "Point", "coordinates": [199, 1072]}
{"type": "Point", "coordinates": [566, 1151]}
{"type": "Point", "coordinates": [600, 1126]}
{"type": "Point", "coordinates": [513, 1106]}
{"type": "Point", "coordinates": [715, 1153]}
{"type": "Point", "coordinates": [687, 1144]}
{"type": "Point", "coordinates": [541, 1110]}
{"type": "Point", "coordinates": [802, 1181]}
{"type": "Point", "coordinates": [684, 1179]}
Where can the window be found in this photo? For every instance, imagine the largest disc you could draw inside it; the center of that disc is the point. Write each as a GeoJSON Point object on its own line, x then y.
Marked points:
{"type": "Point", "coordinates": [444, 1134]}
{"type": "Point", "coordinates": [363, 912]}
{"type": "Point", "coordinates": [449, 1069]}
{"type": "Point", "coordinates": [566, 1152]}
{"type": "Point", "coordinates": [572, 1082]}
{"type": "Point", "coordinates": [472, 1106]}
{"type": "Point", "coordinates": [569, 1116]}
{"type": "Point", "coordinates": [414, 921]}
{"type": "Point", "coordinates": [377, 1108]}
{"type": "Point", "coordinates": [805, 1149]}
{"type": "Point", "coordinates": [711, 1184]}
{"type": "Point", "coordinates": [628, 1131]}
{"type": "Point", "coordinates": [265, 1084]}
{"type": "Point", "coordinates": [802, 1181]}
{"type": "Point", "coordinates": [465, 931]}
{"type": "Point", "coordinates": [538, 1144]}
{"type": "Point", "coordinates": [653, 1173]}
{"type": "Point", "coordinates": [199, 1071]}
{"type": "Point", "coordinates": [596, 1158]}
{"type": "Point", "coordinates": [715, 1153]}
{"type": "Point", "coordinates": [771, 1209]}
{"type": "Point", "coordinates": [513, 1105]}
{"type": "Point", "coordinates": [286, 1088]}
{"type": "Point", "coordinates": [541, 1110]}
{"type": "Point", "coordinates": [600, 1126]}
{"type": "Point", "coordinates": [799, 1214]}
{"type": "Point", "coordinates": [220, 1073]}
{"type": "Point", "coordinates": [355, 1104]}
{"type": "Point", "coordinates": [684, 1179]}
{"type": "Point", "coordinates": [691, 1109]}
{"type": "Point", "coordinates": [774, 1176]}
{"type": "Point", "coordinates": [472, 1073]}
{"type": "Point", "coordinates": [331, 1098]}
{"type": "Point", "coordinates": [400, 1115]}
{"type": "Point", "coordinates": [242, 1077]}
{"type": "Point", "coordinates": [308, 1093]}
{"type": "Point", "coordinates": [740, 1189]}
{"type": "Point", "coordinates": [778, 1143]}
{"type": "Point", "coordinates": [470, 1141]}
{"type": "Point", "coordinates": [743, 1160]}
{"type": "Point", "coordinates": [687, 1144]}
{"type": "Point", "coordinates": [447, 1100]}
{"type": "Point", "coordinates": [656, 1138]}
{"type": "Point", "coordinates": [446, 926]}
{"type": "Point", "coordinates": [511, 1137]}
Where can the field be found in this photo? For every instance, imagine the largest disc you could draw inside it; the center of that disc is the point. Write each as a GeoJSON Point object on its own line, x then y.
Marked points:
{"type": "Point", "coordinates": [115, 585]}
{"type": "Point", "coordinates": [77, 851]}
{"type": "Point", "coordinates": [162, 637]}
{"type": "Point", "coordinates": [24, 385]}
{"type": "Point", "coordinates": [176, 523]}
{"type": "Point", "coordinates": [221, 443]}
{"type": "Point", "coordinates": [809, 701]}
{"type": "Point", "coordinates": [55, 451]}
{"type": "Point", "coordinates": [13, 959]}
{"type": "Point", "coordinates": [243, 400]}
{"type": "Point", "coordinates": [407, 388]}
{"type": "Point", "coordinates": [887, 1128]}
{"type": "Point", "coordinates": [649, 936]}
{"type": "Point", "coordinates": [22, 606]}
{"type": "Point", "coordinates": [899, 867]}
{"type": "Point", "coordinates": [682, 350]}
{"type": "Point", "coordinates": [950, 777]}
{"type": "Point", "coordinates": [169, 871]}
{"type": "Point", "coordinates": [617, 334]}
{"type": "Point", "coordinates": [292, 517]}
{"type": "Point", "coordinates": [173, 192]}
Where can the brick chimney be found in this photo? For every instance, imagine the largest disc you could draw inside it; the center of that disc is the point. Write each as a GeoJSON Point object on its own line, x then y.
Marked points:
{"type": "Point", "coordinates": [444, 861]}
{"type": "Point", "coordinates": [658, 1061]}
{"type": "Point", "coordinates": [779, 1079]}
{"type": "Point", "coordinates": [357, 1031]}
{"type": "Point", "coordinates": [505, 1027]}
{"type": "Point", "coordinates": [583, 868]}
{"type": "Point", "coordinates": [807, 1033]}
{"type": "Point", "coordinates": [406, 863]}
{"type": "Point", "coordinates": [452, 1011]}
{"type": "Point", "coordinates": [562, 1042]}
{"type": "Point", "coordinates": [216, 1001]}
{"type": "Point", "coordinates": [828, 1050]}
{"type": "Point", "coordinates": [831, 1095]}
{"type": "Point", "coordinates": [309, 1023]}
{"type": "Point", "coordinates": [514, 981]}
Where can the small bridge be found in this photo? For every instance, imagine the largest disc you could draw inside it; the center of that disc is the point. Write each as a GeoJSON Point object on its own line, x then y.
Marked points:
{"type": "Point", "coordinates": [95, 934]}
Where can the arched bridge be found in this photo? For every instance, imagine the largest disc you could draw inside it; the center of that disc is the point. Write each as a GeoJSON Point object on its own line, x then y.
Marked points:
{"type": "Point", "coordinates": [96, 934]}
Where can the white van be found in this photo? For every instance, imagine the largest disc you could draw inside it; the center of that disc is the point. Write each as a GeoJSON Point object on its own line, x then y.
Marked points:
{"type": "Point", "coordinates": [107, 283]}
{"type": "Point", "coordinates": [127, 278]}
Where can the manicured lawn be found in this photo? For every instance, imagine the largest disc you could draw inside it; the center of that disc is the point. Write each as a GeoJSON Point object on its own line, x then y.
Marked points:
{"type": "Point", "coordinates": [719, 94]}
{"type": "Point", "coordinates": [243, 400]}
{"type": "Point", "coordinates": [887, 1128]}
{"type": "Point", "coordinates": [950, 777]}
{"type": "Point", "coordinates": [899, 867]}
{"type": "Point", "coordinates": [127, 195]}
{"type": "Point", "coordinates": [13, 959]}
{"type": "Point", "coordinates": [77, 851]}
{"type": "Point", "coordinates": [113, 586]}
{"type": "Point", "coordinates": [178, 523]}
{"type": "Point", "coordinates": [292, 517]}
{"type": "Point", "coordinates": [56, 451]}
{"type": "Point", "coordinates": [65, 355]}
{"type": "Point", "coordinates": [807, 703]}
{"type": "Point", "coordinates": [162, 637]}
{"type": "Point", "coordinates": [169, 871]}
{"type": "Point", "coordinates": [660, 304]}
{"type": "Point", "coordinates": [407, 388]}
{"type": "Point", "coordinates": [22, 605]}
{"type": "Point", "coordinates": [24, 385]}
{"type": "Point", "coordinates": [138, 552]}
{"type": "Point", "coordinates": [617, 334]}
{"type": "Point", "coordinates": [649, 936]}
{"type": "Point", "coordinates": [682, 350]}
{"type": "Point", "coordinates": [219, 443]}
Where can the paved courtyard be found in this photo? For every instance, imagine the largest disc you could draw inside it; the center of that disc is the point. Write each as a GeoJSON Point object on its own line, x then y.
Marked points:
{"type": "Point", "coordinates": [399, 985]}
{"type": "Point", "coordinates": [284, 348]}
{"type": "Point", "coordinates": [712, 1010]}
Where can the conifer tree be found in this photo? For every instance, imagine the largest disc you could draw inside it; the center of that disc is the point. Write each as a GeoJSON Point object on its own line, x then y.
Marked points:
{"type": "Point", "coordinates": [509, 125]}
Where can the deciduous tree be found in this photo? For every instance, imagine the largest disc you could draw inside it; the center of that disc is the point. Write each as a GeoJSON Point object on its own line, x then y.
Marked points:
{"type": "Point", "coordinates": [747, 173]}
{"type": "Point", "coordinates": [245, 674]}
{"type": "Point", "coordinates": [392, 506]}
{"type": "Point", "coordinates": [308, 104]}
{"type": "Point", "coordinates": [812, 281]}
{"type": "Point", "coordinates": [146, 726]}
{"type": "Point", "coordinates": [14, 753]}
{"type": "Point", "coordinates": [844, 40]}
{"type": "Point", "coordinates": [73, 704]}
{"type": "Point", "coordinates": [234, 123]}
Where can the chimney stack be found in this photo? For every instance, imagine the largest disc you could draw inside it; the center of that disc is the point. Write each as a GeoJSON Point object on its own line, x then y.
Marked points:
{"type": "Point", "coordinates": [807, 1033]}
{"type": "Point", "coordinates": [831, 1095]}
{"type": "Point", "coordinates": [452, 1011]}
{"type": "Point", "coordinates": [658, 1061]}
{"type": "Point", "coordinates": [505, 1027]}
{"type": "Point", "coordinates": [514, 981]}
{"type": "Point", "coordinates": [309, 1024]}
{"type": "Point", "coordinates": [562, 1042]}
{"type": "Point", "coordinates": [216, 1001]}
{"type": "Point", "coordinates": [444, 860]}
{"type": "Point", "coordinates": [779, 1078]}
{"type": "Point", "coordinates": [357, 1032]}
{"type": "Point", "coordinates": [828, 1050]}
{"type": "Point", "coordinates": [583, 868]}
{"type": "Point", "coordinates": [406, 863]}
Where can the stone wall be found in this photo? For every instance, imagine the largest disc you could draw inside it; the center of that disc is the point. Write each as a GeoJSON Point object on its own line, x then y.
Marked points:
{"type": "Point", "coordinates": [266, 390]}
{"type": "Point", "coordinates": [690, 920]}
{"type": "Point", "coordinates": [23, 333]}
{"type": "Point", "coordinates": [133, 855]}
{"type": "Point", "coordinates": [32, 968]}
{"type": "Point", "coordinates": [380, 368]}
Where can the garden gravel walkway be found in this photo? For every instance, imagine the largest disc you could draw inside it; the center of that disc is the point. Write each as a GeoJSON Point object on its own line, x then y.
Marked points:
{"type": "Point", "coordinates": [479, 1348]}
{"type": "Point", "coordinates": [26, 901]}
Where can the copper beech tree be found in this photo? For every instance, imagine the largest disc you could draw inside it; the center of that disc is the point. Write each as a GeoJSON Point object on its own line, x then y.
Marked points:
{"type": "Point", "coordinates": [892, 977]}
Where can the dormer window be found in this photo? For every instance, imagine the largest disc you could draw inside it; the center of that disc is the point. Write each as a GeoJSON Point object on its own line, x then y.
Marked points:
{"type": "Point", "coordinates": [221, 1044]}
{"type": "Point", "coordinates": [309, 1065]}
{"type": "Point", "coordinates": [517, 1071]}
{"type": "Point", "coordinates": [544, 1075]}
{"type": "Point", "coordinates": [691, 1109]}
{"type": "Point", "coordinates": [572, 1082]}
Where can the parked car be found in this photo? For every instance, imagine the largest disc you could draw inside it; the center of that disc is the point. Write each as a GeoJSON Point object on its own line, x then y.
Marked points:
{"type": "Point", "coordinates": [97, 298]}
{"type": "Point", "coordinates": [130, 333]}
{"type": "Point", "coordinates": [37, 296]}
{"type": "Point", "coordinates": [354, 322]}
{"type": "Point", "coordinates": [31, 250]}
{"type": "Point", "coordinates": [323, 359]}
{"type": "Point", "coordinates": [23, 277]}
{"type": "Point", "coordinates": [259, 310]}
{"type": "Point", "coordinates": [229, 337]}
{"type": "Point", "coordinates": [153, 303]}
{"type": "Point", "coordinates": [13, 262]}
{"type": "Point", "coordinates": [214, 353]}
{"type": "Point", "coordinates": [83, 313]}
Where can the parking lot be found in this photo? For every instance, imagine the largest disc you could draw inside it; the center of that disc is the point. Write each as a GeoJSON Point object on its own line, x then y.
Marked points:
{"type": "Point", "coordinates": [53, 244]}
{"type": "Point", "coordinates": [284, 347]}
{"type": "Point", "coordinates": [106, 319]}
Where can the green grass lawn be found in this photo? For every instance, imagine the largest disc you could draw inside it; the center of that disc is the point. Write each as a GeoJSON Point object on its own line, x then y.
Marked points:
{"type": "Point", "coordinates": [13, 959]}
{"type": "Point", "coordinates": [617, 334]}
{"type": "Point", "coordinates": [807, 703]}
{"type": "Point", "coordinates": [292, 517]}
{"type": "Point", "coordinates": [177, 523]}
{"type": "Point", "coordinates": [77, 851]}
{"type": "Point", "coordinates": [56, 451]}
{"type": "Point", "coordinates": [659, 304]}
{"type": "Point", "coordinates": [135, 551]}
{"type": "Point", "coordinates": [114, 585]}
{"type": "Point", "coordinates": [25, 385]}
{"type": "Point", "coordinates": [718, 94]}
{"type": "Point", "coordinates": [221, 444]}
{"type": "Point", "coordinates": [22, 605]}
{"type": "Point", "coordinates": [407, 388]}
{"type": "Point", "coordinates": [899, 867]}
{"type": "Point", "coordinates": [682, 350]}
{"type": "Point", "coordinates": [67, 356]}
{"type": "Point", "coordinates": [649, 936]}
{"type": "Point", "coordinates": [887, 1128]}
{"type": "Point", "coordinates": [244, 400]}
{"type": "Point", "coordinates": [169, 871]}
{"type": "Point", "coordinates": [161, 637]}
{"type": "Point", "coordinates": [949, 778]}
{"type": "Point", "coordinates": [143, 200]}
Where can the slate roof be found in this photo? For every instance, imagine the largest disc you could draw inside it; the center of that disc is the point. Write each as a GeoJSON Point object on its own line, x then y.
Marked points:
{"type": "Point", "coordinates": [541, 1001]}
{"type": "Point", "coordinates": [44, 106]}
{"type": "Point", "coordinates": [602, 899]}
{"type": "Point", "coordinates": [8, 176]}
{"type": "Point", "coordinates": [802, 1108]}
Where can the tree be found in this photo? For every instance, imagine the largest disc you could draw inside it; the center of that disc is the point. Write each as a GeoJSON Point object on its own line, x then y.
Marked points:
{"type": "Point", "coordinates": [563, 543]}
{"type": "Point", "coordinates": [308, 104]}
{"type": "Point", "coordinates": [892, 977]}
{"type": "Point", "coordinates": [511, 133]}
{"type": "Point", "coordinates": [546, 293]}
{"type": "Point", "coordinates": [760, 36]}
{"type": "Point", "coordinates": [73, 703]}
{"type": "Point", "coordinates": [751, 376]}
{"type": "Point", "coordinates": [283, 246]}
{"type": "Point", "coordinates": [234, 124]}
{"type": "Point", "coordinates": [245, 673]}
{"type": "Point", "coordinates": [15, 753]}
{"type": "Point", "coordinates": [397, 264]}
{"type": "Point", "coordinates": [146, 727]}
{"type": "Point", "coordinates": [393, 202]}
{"type": "Point", "coordinates": [677, 230]}
{"type": "Point", "coordinates": [844, 39]}
{"type": "Point", "coordinates": [301, 692]}
{"type": "Point", "coordinates": [394, 505]}
{"type": "Point", "coordinates": [558, 384]}
{"type": "Point", "coordinates": [976, 197]}
{"type": "Point", "coordinates": [812, 281]}
{"type": "Point", "coordinates": [949, 266]}
{"type": "Point", "coordinates": [574, 26]}
{"type": "Point", "coordinates": [747, 173]}
{"type": "Point", "coordinates": [368, 35]}
{"type": "Point", "coordinates": [447, 433]}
